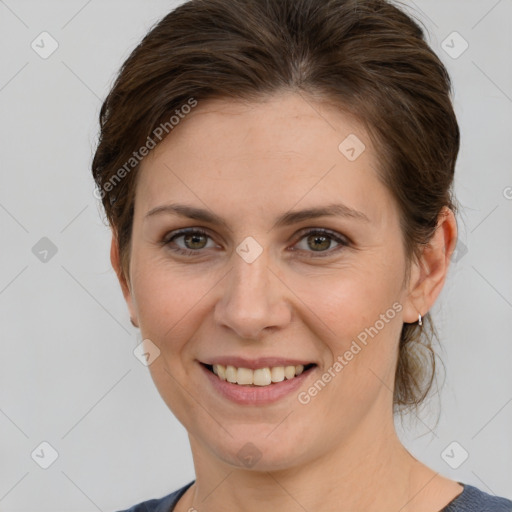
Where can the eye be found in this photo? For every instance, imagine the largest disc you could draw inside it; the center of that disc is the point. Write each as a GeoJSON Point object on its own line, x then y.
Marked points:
{"type": "Point", "coordinates": [196, 239]}
{"type": "Point", "coordinates": [319, 240]}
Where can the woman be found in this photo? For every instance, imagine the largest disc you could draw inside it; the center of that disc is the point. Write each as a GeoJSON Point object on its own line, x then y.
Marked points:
{"type": "Point", "coordinates": [278, 179]}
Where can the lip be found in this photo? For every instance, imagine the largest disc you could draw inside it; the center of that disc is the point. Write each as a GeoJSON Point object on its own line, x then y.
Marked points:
{"type": "Point", "coordinates": [254, 364]}
{"type": "Point", "coordinates": [255, 395]}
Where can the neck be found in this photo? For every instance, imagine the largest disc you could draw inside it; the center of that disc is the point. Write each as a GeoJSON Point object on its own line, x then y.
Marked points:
{"type": "Point", "coordinates": [357, 475]}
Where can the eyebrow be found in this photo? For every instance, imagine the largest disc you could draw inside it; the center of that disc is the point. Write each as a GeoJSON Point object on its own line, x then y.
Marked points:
{"type": "Point", "coordinates": [285, 219]}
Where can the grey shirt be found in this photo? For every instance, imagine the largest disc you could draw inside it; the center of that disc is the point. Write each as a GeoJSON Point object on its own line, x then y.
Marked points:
{"type": "Point", "coordinates": [470, 500]}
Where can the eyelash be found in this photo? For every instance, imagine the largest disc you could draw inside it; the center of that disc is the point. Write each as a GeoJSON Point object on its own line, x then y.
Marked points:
{"type": "Point", "coordinates": [318, 231]}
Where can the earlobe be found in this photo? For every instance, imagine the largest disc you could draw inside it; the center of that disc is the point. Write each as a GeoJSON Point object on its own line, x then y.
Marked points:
{"type": "Point", "coordinates": [431, 270]}
{"type": "Point", "coordinates": [125, 287]}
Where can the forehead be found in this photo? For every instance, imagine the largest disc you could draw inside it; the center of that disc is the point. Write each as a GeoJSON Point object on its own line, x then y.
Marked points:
{"type": "Point", "coordinates": [277, 123]}
{"type": "Point", "coordinates": [278, 151]}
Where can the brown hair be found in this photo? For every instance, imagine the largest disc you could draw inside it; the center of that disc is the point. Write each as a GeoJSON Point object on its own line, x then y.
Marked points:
{"type": "Point", "coordinates": [366, 56]}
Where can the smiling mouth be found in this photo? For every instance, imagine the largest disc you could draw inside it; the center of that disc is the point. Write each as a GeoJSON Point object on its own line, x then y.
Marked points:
{"type": "Point", "coordinates": [259, 377]}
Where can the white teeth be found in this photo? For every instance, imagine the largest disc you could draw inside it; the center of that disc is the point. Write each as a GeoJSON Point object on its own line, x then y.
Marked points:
{"type": "Point", "coordinates": [220, 371]}
{"type": "Point", "coordinates": [289, 372]}
{"type": "Point", "coordinates": [244, 376]}
{"type": "Point", "coordinates": [277, 373]}
{"type": "Point", "coordinates": [259, 377]}
{"type": "Point", "coordinates": [231, 374]}
{"type": "Point", "coordinates": [262, 377]}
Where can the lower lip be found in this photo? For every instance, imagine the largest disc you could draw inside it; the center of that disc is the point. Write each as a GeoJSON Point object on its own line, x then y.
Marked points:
{"type": "Point", "coordinates": [256, 395]}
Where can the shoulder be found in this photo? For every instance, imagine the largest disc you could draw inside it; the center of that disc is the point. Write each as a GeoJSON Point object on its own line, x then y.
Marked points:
{"type": "Point", "coordinates": [474, 500]}
{"type": "Point", "coordinates": [164, 504]}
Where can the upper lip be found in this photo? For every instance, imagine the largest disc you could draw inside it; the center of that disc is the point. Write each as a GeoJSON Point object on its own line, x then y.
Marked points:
{"type": "Point", "coordinates": [253, 364]}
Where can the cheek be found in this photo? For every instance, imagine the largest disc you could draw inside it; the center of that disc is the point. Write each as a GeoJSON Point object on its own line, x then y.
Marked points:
{"type": "Point", "coordinates": [348, 300]}
{"type": "Point", "coordinates": [170, 304]}
{"type": "Point", "coordinates": [358, 310]}
{"type": "Point", "coordinates": [167, 300]}
{"type": "Point", "coordinates": [365, 324]}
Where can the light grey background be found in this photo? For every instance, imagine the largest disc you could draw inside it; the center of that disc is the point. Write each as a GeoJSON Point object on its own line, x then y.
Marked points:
{"type": "Point", "coordinates": [68, 375]}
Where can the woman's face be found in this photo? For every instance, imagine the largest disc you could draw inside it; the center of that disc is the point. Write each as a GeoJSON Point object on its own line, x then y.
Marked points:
{"type": "Point", "coordinates": [260, 287]}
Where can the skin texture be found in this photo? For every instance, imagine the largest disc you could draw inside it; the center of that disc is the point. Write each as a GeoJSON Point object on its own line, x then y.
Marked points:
{"type": "Point", "coordinates": [249, 163]}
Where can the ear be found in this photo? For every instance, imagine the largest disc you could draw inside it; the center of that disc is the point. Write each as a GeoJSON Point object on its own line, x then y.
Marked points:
{"type": "Point", "coordinates": [428, 274]}
{"type": "Point", "coordinates": [125, 285]}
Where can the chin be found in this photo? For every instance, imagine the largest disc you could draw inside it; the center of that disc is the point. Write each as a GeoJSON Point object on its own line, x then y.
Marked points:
{"type": "Point", "coordinates": [253, 448]}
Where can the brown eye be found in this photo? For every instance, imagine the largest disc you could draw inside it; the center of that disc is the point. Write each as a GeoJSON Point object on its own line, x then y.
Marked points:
{"type": "Point", "coordinates": [316, 243]}
{"type": "Point", "coordinates": [194, 240]}
{"type": "Point", "coordinates": [320, 241]}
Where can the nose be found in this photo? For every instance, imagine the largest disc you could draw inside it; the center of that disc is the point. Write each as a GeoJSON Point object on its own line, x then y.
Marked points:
{"type": "Point", "coordinates": [254, 299]}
